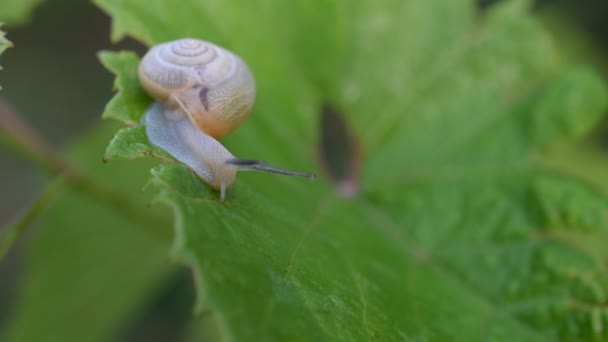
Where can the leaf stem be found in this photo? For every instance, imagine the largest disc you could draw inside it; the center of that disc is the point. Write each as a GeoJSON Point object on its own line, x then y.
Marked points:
{"type": "Point", "coordinates": [24, 139]}
{"type": "Point", "coordinates": [10, 234]}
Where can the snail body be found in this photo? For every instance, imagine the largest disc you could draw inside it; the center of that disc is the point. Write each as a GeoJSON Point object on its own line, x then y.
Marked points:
{"type": "Point", "coordinates": [202, 153]}
{"type": "Point", "coordinates": [203, 93]}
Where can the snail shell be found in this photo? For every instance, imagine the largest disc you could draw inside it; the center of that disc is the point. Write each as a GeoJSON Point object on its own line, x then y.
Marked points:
{"type": "Point", "coordinates": [211, 84]}
{"type": "Point", "coordinates": [204, 92]}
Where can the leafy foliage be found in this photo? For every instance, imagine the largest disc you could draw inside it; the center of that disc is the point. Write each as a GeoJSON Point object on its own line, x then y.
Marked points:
{"type": "Point", "coordinates": [17, 12]}
{"type": "Point", "coordinates": [4, 44]}
{"type": "Point", "coordinates": [461, 232]}
{"type": "Point", "coordinates": [89, 262]}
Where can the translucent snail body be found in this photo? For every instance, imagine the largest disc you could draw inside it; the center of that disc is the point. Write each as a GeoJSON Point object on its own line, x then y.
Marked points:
{"type": "Point", "coordinates": [203, 93]}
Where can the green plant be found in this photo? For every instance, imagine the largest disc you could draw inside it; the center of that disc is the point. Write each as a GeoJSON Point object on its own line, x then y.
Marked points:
{"type": "Point", "coordinates": [467, 225]}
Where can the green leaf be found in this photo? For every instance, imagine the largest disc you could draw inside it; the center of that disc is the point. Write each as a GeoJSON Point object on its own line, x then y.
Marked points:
{"type": "Point", "coordinates": [99, 279]}
{"type": "Point", "coordinates": [17, 12]}
{"type": "Point", "coordinates": [461, 232]}
{"type": "Point", "coordinates": [556, 116]}
{"type": "Point", "coordinates": [128, 143]}
{"type": "Point", "coordinates": [4, 44]}
{"type": "Point", "coordinates": [93, 261]}
{"type": "Point", "coordinates": [118, 108]}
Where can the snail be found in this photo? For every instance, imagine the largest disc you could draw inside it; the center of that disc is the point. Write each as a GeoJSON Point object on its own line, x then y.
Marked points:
{"type": "Point", "coordinates": [203, 93]}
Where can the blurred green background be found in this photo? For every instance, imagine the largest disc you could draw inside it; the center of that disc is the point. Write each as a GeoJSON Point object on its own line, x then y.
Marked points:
{"type": "Point", "coordinates": [54, 81]}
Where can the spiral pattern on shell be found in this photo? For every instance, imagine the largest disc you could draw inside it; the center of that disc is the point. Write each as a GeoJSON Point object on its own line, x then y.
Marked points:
{"type": "Point", "coordinates": [211, 84]}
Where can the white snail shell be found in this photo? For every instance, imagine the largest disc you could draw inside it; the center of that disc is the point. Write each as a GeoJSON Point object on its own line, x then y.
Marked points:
{"type": "Point", "coordinates": [203, 92]}
{"type": "Point", "coordinates": [212, 85]}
